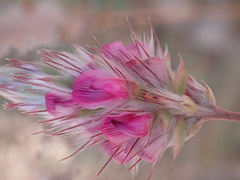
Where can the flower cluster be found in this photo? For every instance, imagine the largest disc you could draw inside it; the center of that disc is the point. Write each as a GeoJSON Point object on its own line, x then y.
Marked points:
{"type": "Point", "coordinates": [124, 97]}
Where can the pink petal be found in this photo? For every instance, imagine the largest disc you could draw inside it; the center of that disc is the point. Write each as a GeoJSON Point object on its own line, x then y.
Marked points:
{"type": "Point", "coordinates": [123, 127]}
{"type": "Point", "coordinates": [97, 88]}
{"type": "Point", "coordinates": [138, 49]}
{"type": "Point", "coordinates": [115, 87]}
{"type": "Point", "coordinates": [151, 70]}
{"type": "Point", "coordinates": [113, 134]}
{"type": "Point", "coordinates": [159, 68]}
{"type": "Point", "coordinates": [116, 51]}
{"type": "Point", "coordinates": [58, 105]}
{"type": "Point", "coordinates": [136, 126]}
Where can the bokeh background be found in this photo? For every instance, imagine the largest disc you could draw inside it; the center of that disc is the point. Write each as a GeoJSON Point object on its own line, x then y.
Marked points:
{"type": "Point", "coordinates": [205, 32]}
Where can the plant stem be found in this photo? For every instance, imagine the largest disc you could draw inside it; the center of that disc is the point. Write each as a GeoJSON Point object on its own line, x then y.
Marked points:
{"type": "Point", "coordinates": [222, 114]}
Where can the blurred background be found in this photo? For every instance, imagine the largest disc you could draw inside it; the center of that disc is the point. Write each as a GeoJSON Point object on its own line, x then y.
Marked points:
{"type": "Point", "coordinates": [205, 32]}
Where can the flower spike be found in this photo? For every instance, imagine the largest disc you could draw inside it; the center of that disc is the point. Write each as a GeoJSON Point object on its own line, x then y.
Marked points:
{"type": "Point", "coordinates": [125, 97]}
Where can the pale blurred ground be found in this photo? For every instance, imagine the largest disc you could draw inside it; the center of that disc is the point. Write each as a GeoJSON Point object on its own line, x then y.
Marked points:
{"type": "Point", "coordinates": [205, 32]}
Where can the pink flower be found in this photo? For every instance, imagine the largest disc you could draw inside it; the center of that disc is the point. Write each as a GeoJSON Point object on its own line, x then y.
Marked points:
{"type": "Point", "coordinates": [59, 105]}
{"type": "Point", "coordinates": [125, 126]}
{"type": "Point", "coordinates": [96, 88]}
{"type": "Point", "coordinates": [125, 97]}
{"type": "Point", "coordinates": [136, 135]}
{"type": "Point", "coordinates": [117, 51]}
{"type": "Point", "coordinates": [124, 130]}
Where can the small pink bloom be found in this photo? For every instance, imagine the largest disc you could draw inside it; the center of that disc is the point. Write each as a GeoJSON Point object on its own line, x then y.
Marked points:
{"type": "Point", "coordinates": [124, 126]}
{"type": "Point", "coordinates": [119, 52]}
{"type": "Point", "coordinates": [58, 105]}
{"type": "Point", "coordinates": [122, 132]}
{"type": "Point", "coordinates": [152, 69]}
{"type": "Point", "coordinates": [96, 88]}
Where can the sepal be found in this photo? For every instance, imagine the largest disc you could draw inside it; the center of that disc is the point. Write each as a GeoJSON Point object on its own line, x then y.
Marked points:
{"type": "Point", "coordinates": [180, 78]}
{"type": "Point", "coordinates": [179, 134]}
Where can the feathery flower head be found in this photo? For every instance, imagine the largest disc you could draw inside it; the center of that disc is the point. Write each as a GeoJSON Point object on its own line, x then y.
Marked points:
{"type": "Point", "coordinates": [125, 97]}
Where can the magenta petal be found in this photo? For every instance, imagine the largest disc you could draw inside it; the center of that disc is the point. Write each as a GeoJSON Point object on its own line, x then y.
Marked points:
{"type": "Point", "coordinates": [116, 51]}
{"type": "Point", "coordinates": [123, 127]}
{"type": "Point", "coordinates": [158, 67]}
{"type": "Point", "coordinates": [58, 105]}
{"type": "Point", "coordinates": [116, 87]}
{"type": "Point", "coordinates": [97, 88]}
{"type": "Point", "coordinates": [112, 134]}
{"type": "Point", "coordinates": [137, 126]}
{"type": "Point", "coordinates": [138, 49]}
